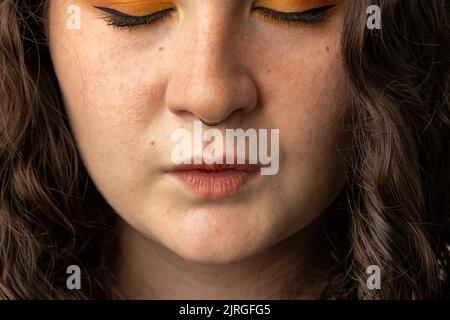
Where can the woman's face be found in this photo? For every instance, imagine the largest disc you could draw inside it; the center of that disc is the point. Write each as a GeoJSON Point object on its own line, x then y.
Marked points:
{"type": "Point", "coordinates": [126, 90]}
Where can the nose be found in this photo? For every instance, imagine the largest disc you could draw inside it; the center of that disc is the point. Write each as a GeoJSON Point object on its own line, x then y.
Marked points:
{"type": "Point", "coordinates": [208, 80]}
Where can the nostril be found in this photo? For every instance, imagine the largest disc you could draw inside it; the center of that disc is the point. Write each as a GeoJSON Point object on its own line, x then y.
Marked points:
{"type": "Point", "coordinates": [211, 124]}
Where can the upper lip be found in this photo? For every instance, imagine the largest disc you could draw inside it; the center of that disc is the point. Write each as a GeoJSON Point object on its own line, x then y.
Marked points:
{"type": "Point", "coordinates": [215, 167]}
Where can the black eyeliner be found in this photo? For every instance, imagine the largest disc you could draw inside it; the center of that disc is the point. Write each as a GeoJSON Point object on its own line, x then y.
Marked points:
{"type": "Point", "coordinates": [310, 15]}
{"type": "Point", "coordinates": [117, 12]}
{"type": "Point", "coordinates": [125, 15]}
{"type": "Point", "coordinates": [120, 19]}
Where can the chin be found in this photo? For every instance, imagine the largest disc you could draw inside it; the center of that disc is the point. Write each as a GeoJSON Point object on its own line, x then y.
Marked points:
{"type": "Point", "coordinates": [207, 244]}
{"type": "Point", "coordinates": [217, 255]}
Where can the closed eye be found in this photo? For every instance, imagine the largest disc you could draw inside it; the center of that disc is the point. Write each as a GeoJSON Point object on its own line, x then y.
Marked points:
{"type": "Point", "coordinates": [307, 16]}
{"type": "Point", "coordinates": [120, 19]}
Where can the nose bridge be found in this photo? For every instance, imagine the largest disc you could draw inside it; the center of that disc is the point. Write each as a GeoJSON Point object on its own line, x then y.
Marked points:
{"type": "Point", "coordinates": [207, 78]}
{"type": "Point", "coordinates": [211, 58]}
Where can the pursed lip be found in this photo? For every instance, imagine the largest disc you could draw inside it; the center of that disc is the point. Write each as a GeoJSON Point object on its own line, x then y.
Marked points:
{"type": "Point", "coordinates": [215, 180]}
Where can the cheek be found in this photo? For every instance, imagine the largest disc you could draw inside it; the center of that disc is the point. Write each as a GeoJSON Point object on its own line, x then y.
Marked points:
{"type": "Point", "coordinates": [317, 106]}
{"type": "Point", "coordinates": [306, 97]}
{"type": "Point", "coordinates": [306, 91]}
{"type": "Point", "coordinates": [112, 107]}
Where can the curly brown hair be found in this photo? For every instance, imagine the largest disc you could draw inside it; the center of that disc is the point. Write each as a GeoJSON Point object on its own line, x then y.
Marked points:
{"type": "Point", "coordinates": [393, 212]}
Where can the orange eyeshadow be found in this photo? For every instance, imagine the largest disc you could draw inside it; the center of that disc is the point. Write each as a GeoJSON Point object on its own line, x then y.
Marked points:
{"type": "Point", "coordinates": [133, 7]}
{"type": "Point", "coordinates": [294, 5]}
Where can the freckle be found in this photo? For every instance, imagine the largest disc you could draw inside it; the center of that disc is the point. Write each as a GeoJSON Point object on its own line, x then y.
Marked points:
{"type": "Point", "coordinates": [269, 71]}
{"type": "Point", "coordinates": [152, 143]}
{"type": "Point", "coordinates": [161, 48]}
{"type": "Point", "coordinates": [327, 49]}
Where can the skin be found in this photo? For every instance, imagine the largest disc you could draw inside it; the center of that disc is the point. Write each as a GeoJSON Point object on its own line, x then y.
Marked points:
{"type": "Point", "coordinates": [126, 91]}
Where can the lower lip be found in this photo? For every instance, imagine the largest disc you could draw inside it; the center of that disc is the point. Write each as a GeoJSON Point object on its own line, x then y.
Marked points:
{"type": "Point", "coordinates": [215, 184]}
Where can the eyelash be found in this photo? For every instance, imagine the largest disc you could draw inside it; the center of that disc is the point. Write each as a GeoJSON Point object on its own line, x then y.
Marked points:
{"type": "Point", "coordinates": [122, 20]}
{"type": "Point", "coordinates": [306, 17]}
